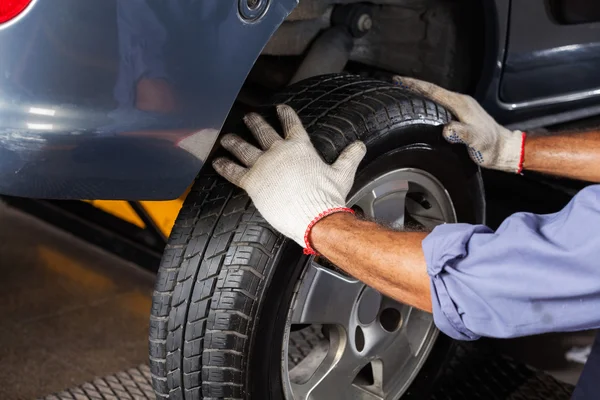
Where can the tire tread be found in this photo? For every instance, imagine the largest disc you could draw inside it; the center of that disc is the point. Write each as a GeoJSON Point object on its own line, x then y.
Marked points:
{"type": "Point", "coordinates": [220, 253]}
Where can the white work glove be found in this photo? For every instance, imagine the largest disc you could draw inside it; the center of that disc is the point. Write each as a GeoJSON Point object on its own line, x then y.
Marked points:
{"type": "Point", "coordinates": [490, 145]}
{"type": "Point", "coordinates": [288, 181]}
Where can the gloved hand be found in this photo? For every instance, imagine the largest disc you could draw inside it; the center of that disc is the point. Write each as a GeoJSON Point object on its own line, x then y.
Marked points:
{"type": "Point", "coordinates": [490, 145]}
{"type": "Point", "coordinates": [288, 181]}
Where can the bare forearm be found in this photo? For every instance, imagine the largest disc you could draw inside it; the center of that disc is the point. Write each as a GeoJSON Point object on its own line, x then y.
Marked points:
{"type": "Point", "coordinates": [389, 261]}
{"type": "Point", "coordinates": [575, 155]}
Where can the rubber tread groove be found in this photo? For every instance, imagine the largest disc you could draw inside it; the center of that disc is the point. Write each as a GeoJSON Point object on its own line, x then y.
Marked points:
{"type": "Point", "coordinates": [221, 280]}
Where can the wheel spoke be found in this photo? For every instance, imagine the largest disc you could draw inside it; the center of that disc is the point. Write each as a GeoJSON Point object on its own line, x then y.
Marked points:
{"type": "Point", "coordinates": [386, 202]}
{"type": "Point", "coordinates": [366, 204]}
{"type": "Point", "coordinates": [374, 388]}
{"type": "Point", "coordinates": [333, 379]}
{"type": "Point", "coordinates": [325, 297]}
{"type": "Point", "coordinates": [338, 385]}
{"type": "Point", "coordinates": [377, 339]}
{"type": "Point", "coordinates": [403, 356]}
{"type": "Point", "coordinates": [307, 368]}
{"type": "Point", "coordinates": [330, 375]}
{"type": "Point", "coordinates": [394, 359]}
{"type": "Point", "coordinates": [419, 323]}
{"type": "Point", "coordinates": [428, 217]}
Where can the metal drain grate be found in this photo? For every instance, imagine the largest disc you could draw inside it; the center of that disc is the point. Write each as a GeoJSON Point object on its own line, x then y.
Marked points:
{"type": "Point", "coordinates": [474, 373]}
{"type": "Point", "coordinates": [477, 372]}
{"type": "Point", "coordinates": [133, 384]}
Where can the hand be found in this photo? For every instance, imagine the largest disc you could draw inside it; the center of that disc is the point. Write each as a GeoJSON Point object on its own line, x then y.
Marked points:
{"type": "Point", "coordinates": [288, 181]}
{"type": "Point", "coordinates": [490, 145]}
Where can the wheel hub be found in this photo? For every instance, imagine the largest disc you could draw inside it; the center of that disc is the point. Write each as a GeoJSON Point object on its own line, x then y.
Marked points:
{"type": "Point", "coordinates": [363, 345]}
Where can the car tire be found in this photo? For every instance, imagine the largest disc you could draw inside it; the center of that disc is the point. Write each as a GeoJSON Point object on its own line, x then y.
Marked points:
{"type": "Point", "coordinates": [227, 278]}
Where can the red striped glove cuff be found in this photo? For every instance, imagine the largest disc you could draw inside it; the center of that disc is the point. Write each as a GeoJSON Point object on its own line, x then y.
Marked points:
{"type": "Point", "coordinates": [307, 246]}
{"type": "Point", "coordinates": [522, 157]}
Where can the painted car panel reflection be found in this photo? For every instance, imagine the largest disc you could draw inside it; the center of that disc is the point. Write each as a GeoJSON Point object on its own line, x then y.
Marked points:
{"type": "Point", "coordinates": [120, 99]}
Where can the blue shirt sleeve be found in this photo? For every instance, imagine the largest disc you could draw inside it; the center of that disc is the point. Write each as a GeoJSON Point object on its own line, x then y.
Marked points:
{"type": "Point", "coordinates": [535, 274]}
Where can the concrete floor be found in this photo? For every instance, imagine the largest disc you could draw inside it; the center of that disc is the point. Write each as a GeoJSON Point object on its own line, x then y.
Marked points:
{"type": "Point", "coordinates": [70, 312]}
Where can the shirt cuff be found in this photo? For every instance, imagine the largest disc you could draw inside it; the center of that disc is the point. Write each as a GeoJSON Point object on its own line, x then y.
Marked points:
{"type": "Point", "coordinates": [443, 248]}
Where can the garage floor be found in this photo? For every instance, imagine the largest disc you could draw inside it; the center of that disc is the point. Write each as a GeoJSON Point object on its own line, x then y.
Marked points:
{"type": "Point", "coordinates": [70, 312]}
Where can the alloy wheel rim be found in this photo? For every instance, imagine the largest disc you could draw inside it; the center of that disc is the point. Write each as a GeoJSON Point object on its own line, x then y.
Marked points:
{"type": "Point", "coordinates": [363, 345]}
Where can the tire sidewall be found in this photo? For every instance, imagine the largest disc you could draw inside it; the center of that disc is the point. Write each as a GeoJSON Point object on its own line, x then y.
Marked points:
{"type": "Point", "coordinates": [418, 146]}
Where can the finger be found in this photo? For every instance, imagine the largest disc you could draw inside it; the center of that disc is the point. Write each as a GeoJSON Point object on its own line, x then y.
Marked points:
{"type": "Point", "coordinates": [476, 156]}
{"type": "Point", "coordinates": [229, 170]}
{"type": "Point", "coordinates": [456, 132]}
{"type": "Point", "coordinates": [241, 149]}
{"type": "Point", "coordinates": [292, 126]}
{"type": "Point", "coordinates": [451, 100]}
{"type": "Point", "coordinates": [262, 131]}
{"type": "Point", "coordinates": [348, 161]}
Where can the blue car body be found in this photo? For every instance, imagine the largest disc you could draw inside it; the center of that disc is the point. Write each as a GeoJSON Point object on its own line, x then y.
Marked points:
{"type": "Point", "coordinates": [124, 99]}
{"type": "Point", "coordinates": [120, 99]}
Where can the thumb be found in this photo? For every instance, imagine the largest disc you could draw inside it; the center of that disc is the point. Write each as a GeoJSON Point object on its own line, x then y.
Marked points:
{"type": "Point", "coordinates": [429, 90]}
{"type": "Point", "coordinates": [456, 132]}
{"type": "Point", "coordinates": [463, 107]}
{"type": "Point", "coordinates": [348, 161]}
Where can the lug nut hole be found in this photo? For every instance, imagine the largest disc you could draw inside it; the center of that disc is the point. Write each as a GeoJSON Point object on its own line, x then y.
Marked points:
{"type": "Point", "coordinates": [359, 339]}
{"type": "Point", "coordinates": [390, 319]}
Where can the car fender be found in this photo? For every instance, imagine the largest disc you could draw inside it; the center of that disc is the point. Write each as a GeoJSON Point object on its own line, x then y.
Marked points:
{"type": "Point", "coordinates": [122, 99]}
